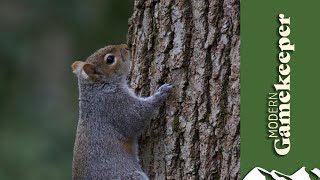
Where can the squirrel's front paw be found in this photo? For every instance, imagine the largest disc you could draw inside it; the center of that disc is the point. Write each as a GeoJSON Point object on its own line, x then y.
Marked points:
{"type": "Point", "coordinates": [164, 89]}
{"type": "Point", "coordinates": [161, 94]}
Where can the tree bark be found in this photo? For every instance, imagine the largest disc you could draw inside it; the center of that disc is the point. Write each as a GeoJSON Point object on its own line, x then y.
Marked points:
{"type": "Point", "coordinates": [193, 44]}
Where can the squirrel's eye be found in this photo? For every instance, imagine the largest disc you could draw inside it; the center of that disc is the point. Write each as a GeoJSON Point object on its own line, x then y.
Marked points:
{"type": "Point", "coordinates": [110, 59]}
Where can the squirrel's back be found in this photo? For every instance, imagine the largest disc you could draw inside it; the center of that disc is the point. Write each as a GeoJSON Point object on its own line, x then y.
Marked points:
{"type": "Point", "coordinates": [106, 140]}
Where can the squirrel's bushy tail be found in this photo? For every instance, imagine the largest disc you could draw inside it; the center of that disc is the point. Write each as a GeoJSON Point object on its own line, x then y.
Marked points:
{"type": "Point", "coordinates": [136, 175]}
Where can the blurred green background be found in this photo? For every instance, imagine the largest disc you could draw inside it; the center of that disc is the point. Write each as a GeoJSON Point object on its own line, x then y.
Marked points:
{"type": "Point", "coordinates": [39, 39]}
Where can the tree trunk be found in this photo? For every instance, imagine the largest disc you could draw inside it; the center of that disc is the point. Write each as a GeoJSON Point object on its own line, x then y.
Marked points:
{"type": "Point", "coordinates": [193, 44]}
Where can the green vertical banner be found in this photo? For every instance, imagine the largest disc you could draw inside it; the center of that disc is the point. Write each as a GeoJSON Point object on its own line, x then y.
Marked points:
{"type": "Point", "coordinates": [280, 89]}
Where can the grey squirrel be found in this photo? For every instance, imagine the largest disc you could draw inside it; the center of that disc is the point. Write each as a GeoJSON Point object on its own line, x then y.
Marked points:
{"type": "Point", "coordinates": [111, 117]}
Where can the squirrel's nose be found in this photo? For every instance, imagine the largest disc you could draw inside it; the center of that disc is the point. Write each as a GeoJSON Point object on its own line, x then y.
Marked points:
{"type": "Point", "coordinates": [125, 52]}
{"type": "Point", "coordinates": [124, 46]}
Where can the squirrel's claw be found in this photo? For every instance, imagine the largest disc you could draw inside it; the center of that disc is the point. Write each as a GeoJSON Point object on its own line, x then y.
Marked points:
{"type": "Point", "coordinates": [165, 88]}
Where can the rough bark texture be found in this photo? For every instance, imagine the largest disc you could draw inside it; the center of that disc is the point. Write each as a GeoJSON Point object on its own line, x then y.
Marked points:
{"type": "Point", "coordinates": [193, 44]}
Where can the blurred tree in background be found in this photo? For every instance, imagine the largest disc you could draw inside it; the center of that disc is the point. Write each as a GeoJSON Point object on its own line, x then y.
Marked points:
{"type": "Point", "coordinates": [39, 39]}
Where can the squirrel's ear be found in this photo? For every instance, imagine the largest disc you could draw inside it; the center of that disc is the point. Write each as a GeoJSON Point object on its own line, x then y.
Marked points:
{"type": "Point", "coordinates": [76, 66]}
{"type": "Point", "coordinates": [90, 70]}
{"type": "Point", "coordinates": [84, 70]}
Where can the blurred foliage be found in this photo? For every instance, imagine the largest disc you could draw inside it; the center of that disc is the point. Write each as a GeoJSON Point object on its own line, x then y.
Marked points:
{"type": "Point", "coordinates": [39, 39]}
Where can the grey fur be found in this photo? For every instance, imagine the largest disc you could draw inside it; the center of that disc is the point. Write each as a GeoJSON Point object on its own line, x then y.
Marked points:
{"type": "Point", "coordinates": [111, 114]}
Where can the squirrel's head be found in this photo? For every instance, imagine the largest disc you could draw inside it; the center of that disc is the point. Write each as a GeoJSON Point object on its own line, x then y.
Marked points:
{"type": "Point", "coordinates": [105, 64]}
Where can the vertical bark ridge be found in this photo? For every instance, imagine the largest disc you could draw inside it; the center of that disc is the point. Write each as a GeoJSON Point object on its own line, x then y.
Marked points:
{"type": "Point", "coordinates": [193, 44]}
